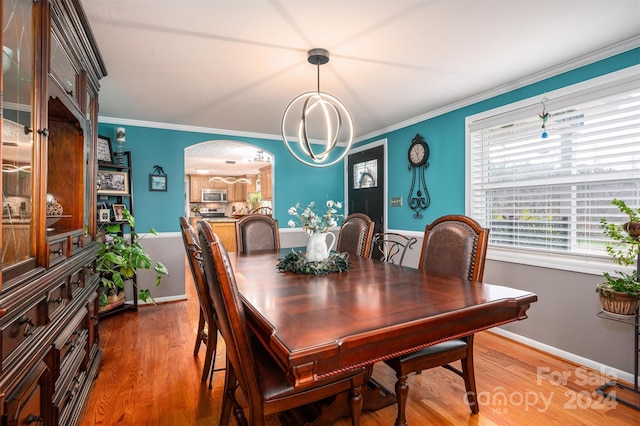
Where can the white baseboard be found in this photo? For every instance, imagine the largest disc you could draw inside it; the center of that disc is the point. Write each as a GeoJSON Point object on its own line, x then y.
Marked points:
{"type": "Point", "coordinates": [605, 369]}
{"type": "Point", "coordinates": [165, 299]}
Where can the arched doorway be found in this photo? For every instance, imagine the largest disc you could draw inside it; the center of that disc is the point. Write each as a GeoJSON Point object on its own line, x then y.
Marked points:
{"type": "Point", "coordinates": [242, 170]}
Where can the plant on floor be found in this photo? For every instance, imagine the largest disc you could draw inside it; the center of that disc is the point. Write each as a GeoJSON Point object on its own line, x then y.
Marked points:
{"type": "Point", "coordinates": [119, 258]}
{"type": "Point", "coordinates": [624, 250]}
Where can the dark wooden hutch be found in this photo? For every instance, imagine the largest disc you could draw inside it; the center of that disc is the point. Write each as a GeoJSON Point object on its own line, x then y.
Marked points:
{"type": "Point", "coordinates": [51, 68]}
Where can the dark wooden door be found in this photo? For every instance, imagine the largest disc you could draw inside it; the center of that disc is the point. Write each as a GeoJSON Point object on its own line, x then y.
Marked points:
{"type": "Point", "coordinates": [365, 182]}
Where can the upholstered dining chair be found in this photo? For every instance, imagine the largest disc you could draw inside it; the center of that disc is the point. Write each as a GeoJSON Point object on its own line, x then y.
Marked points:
{"type": "Point", "coordinates": [387, 246]}
{"type": "Point", "coordinates": [453, 246]}
{"type": "Point", "coordinates": [356, 233]}
{"type": "Point", "coordinates": [257, 232]}
{"type": "Point", "coordinates": [207, 328]}
{"type": "Point", "coordinates": [250, 367]}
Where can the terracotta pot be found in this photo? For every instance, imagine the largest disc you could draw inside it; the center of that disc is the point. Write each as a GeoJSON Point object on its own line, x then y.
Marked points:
{"type": "Point", "coordinates": [619, 303]}
{"type": "Point", "coordinates": [633, 229]}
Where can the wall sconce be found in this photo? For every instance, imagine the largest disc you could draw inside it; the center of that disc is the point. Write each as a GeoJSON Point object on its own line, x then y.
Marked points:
{"type": "Point", "coordinates": [317, 115]}
{"type": "Point", "coordinates": [120, 140]}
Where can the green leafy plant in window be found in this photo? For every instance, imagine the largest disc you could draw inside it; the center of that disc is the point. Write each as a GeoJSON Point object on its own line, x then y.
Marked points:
{"type": "Point", "coordinates": [624, 250]}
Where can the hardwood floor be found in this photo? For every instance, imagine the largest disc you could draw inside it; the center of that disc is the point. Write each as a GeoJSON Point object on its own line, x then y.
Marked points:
{"type": "Point", "coordinates": [149, 376]}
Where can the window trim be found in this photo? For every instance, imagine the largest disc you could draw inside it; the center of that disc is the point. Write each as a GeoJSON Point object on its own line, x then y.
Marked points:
{"type": "Point", "coordinates": [589, 264]}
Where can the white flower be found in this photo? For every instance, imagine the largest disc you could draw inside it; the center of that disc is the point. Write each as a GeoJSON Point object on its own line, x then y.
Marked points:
{"type": "Point", "coordinates": [315, 222]}
{"type": "Point", "coordinates": [338, 205]}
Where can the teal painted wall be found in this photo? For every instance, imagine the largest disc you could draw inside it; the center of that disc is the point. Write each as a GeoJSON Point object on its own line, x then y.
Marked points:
{"type": "Point", "coordinates": [445, 134]}
{"type": "Point", "coordinates": [295, 182]}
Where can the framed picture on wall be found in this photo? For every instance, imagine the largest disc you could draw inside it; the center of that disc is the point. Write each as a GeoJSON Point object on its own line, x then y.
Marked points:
{"type": "Point", "coordinates": [104, 150]}
{"type": "Point", "coordinates": [158, 182]}
{"type": "Point", "coordinates": [113, 183]}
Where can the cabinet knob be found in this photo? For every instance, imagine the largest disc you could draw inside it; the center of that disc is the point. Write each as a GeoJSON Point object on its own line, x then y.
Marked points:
{"type": "Point", "coordinates": [33, 418]}
{"type": "Point", "coordinates": [58, 300]}
{"type": "Point", "coordinates": [59, 252]}
{"type": "Point", "coordinates": [43, 132]}
{"type": "Point", "coordinates": [28, 330]}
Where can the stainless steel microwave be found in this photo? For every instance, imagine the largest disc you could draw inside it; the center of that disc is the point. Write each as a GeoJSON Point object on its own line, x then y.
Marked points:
{"type": "Point", "coordinates": [214, 196]}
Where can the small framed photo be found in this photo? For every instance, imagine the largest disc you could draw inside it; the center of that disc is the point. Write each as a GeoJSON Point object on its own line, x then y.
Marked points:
{"type": "Point", "coordinates": [104, 151]}
{"type": "Point", "coordinates": [158, 183]}
{"type": "Point", "coordinates": [104, 215]}
{"type": "Point", "coordinates": [113, 183]}
{"type": "Point", "coordinates": [118, 210]}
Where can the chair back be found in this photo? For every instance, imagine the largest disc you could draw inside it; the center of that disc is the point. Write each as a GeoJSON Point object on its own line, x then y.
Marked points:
{"type": "Point", "coordinates": [230, 314]}
{"type": "Point", "coordinates": [356, 233]}
{"type": "Point", "coordinates": [257, 232]}
{"type": "Point", "coordinates": [194, 256]}
{"type": "Point", "coordinates": [262, 210]}
{"type": "Point", "coordinates": [456, 246]}
{"type": "Point", "coordinates": [391, 247]}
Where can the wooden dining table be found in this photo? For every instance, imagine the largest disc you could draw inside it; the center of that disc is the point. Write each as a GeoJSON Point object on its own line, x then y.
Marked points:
{"type": "Point", "coordinates": [316, 326]}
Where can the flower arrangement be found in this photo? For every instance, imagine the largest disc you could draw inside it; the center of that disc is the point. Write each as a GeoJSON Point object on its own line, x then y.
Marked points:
{"type": "Point", "coordinates": [313, 222]}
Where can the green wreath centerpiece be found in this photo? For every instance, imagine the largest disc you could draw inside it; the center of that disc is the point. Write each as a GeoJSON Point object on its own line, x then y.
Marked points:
{"type": "Point", "coordinates": [296, 262]}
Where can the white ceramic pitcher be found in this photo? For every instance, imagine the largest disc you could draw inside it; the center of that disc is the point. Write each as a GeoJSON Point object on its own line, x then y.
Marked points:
{"type": "Point", "coordinates": [317, 249]}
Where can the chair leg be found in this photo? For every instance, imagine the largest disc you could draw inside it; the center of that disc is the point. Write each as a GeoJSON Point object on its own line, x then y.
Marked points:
{"type": "Point", "coordinates": [212, 343]}
{"type": "Point", "coordinates": [209, 358]}
{"type": "Point", "coordinates": [402, 393]}
{"type": "Point", "coordinates": [355, 405]}
{"type": "Point", "coordinates": [468, 374]}
{"type": "Point", "coordinates": [200, 334]}
{"type": "Point", "coordinates": [228, 395]}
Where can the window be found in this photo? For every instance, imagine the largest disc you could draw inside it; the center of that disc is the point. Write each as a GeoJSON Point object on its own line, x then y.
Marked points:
{"type": "Point", "coordinates": [365, 174]}
{"type": "Point", "coordinates": [546, 195]}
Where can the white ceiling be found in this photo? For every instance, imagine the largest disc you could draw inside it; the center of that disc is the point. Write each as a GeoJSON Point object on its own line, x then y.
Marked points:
{"type": "Point", "coordinates": [235, 65]}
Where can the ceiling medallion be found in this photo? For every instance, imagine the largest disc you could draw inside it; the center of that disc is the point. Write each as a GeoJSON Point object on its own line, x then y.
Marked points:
{"type": "Point", "coordinates": [320, 117]}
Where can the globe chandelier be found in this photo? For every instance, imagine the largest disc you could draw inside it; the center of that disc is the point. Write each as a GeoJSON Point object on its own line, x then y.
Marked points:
{"type": "Point", "coordinates": [320, 117]}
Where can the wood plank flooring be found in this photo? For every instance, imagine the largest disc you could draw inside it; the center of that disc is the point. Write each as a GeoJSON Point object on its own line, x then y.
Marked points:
{"type": "Point", "coordinates": [149, 376]}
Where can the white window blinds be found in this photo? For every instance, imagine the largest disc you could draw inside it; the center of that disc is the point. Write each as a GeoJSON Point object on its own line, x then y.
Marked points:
{"type": "Point", "coordinates": [548, 194]}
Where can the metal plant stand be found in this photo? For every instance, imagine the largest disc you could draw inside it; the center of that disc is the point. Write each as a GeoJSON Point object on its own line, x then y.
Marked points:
{"type": "Point", "coordinates": [603, 390]}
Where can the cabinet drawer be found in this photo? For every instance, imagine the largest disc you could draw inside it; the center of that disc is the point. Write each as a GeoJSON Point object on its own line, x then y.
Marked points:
{"type": "Point", "coordinates": [71, 340]}
{"type": "Point", "coordinates": [24, 405]}
{"type": "Point", "coordinates": [68, 390]}
{"type": "Point", "coordinates": [18, 331]}
{"type": "Point", "coordinates": [77, 281]}
{"type": "Point", "coordinates": [56, 252]}
{"type": "Point", "coordinates": [76, 243]}
{"type": "Point", "coordinates": [57, 299]}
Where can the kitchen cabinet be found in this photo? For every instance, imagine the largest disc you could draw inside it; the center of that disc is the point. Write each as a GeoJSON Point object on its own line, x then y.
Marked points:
{"type": "Point", "coordinates": [195, 188]}
{"type": "Point", "coordinates": [224, 228]}
{"type": "Point", "coordinates": [226, 231]}
{"type": "Point", "coordinates": [199, 182]}
{"type": "Point", "coordinates": [266, 182]}
{"type": "Point", "coordinates": [48, 283]}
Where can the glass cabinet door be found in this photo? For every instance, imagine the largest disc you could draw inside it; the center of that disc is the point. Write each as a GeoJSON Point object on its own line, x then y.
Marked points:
{"type": "Point", "coordinates": [17, 138]}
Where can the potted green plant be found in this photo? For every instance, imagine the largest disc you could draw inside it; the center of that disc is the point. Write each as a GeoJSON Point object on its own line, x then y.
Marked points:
{"type": "Point", "coordinates": [620, 292]}
{"type": "Point", "coordinates": [119, 259]}
{"type": "Point", "coordinates": [254, 199]}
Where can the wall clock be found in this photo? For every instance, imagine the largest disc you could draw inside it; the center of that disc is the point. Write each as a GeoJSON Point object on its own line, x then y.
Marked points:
{"type": "Point", "coordinates": [418, 162]}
